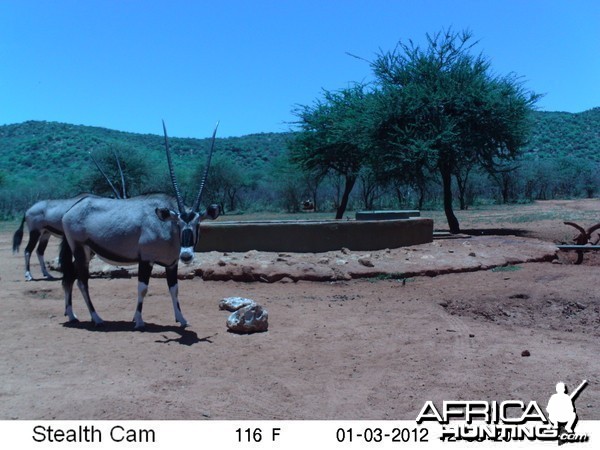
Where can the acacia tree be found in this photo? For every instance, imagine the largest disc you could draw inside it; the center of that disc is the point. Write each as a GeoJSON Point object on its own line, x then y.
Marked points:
{"type": "Point", "coordinates": [442, 107]}
{"type": "Point", "coordinates": [225, 183]}
{"type": "Point", "coordinates": [335, 137]}
{"type": "Point", "coordinates": [133, 173]}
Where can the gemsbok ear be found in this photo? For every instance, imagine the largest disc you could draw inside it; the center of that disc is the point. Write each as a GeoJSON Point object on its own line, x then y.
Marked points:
{"type": "Point", "coordinates": [212, 212]}
{"type": "Point", "coordinates": [165, 214]}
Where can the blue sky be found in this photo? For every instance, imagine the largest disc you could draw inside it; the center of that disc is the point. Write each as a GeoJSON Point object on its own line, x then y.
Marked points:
{"type": "Point", "coordinates": [126, 65]}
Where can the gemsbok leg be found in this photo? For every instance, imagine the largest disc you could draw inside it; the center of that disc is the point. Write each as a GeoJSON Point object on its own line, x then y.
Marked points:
{"type": "Point", "coordinates": [68, 279]}
{"type": "Point", "coordinates": [34, 237]}
{"type": "Point", "coordinates": [45, 237]}
{"type": "Point", "coordinates": [76, 270]}
{"type": "Point", "coordinates": [171, 273]}
{"type": "Point", "coordinates": [82, 257]}
{"type": "Point", "coordinates": [144, 271]}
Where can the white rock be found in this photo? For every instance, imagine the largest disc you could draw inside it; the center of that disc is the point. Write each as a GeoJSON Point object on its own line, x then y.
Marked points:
{"type": "Point", "coordinates": [235, 303]}
{"type": "Point", "coordinates": [249, 319]}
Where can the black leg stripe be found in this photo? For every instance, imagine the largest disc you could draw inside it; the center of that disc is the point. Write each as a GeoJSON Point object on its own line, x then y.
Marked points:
{"type": "Point", "coordinates": [34, 236]}
{"type": "Point", "coordinates": [171, 273]}
{"type": "Point", "coordinates": [144, 272]}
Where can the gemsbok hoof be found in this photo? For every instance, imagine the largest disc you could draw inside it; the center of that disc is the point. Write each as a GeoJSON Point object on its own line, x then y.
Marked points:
{"type": "Point", "coordinates": [97, 320]}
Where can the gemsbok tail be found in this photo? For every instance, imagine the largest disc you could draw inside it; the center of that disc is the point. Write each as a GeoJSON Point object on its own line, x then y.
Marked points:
{"type": "Point", "coordinates": [18, 237]}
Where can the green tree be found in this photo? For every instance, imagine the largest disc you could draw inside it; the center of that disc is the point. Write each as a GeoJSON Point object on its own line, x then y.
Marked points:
{"type": "Point", "coordinates": [443, 107]}
{"type": "Point", "coordinates": [335, 137]}
{"type": "Point", "coordinates": [225, 183]}
{"type": "Point", "coordinates": [136, 171]}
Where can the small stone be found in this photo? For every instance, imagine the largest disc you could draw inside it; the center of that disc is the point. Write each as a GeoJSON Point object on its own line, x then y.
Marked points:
{"type": "Point", "coordinates": [525, 353]}
{"type": "Point", "coordinates": [364, 261]}
{"type": "Point", "coordinates": [472, 254]}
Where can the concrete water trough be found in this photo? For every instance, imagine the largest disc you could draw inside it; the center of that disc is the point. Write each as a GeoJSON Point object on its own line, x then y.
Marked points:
{"type": "Point", "coordinates": [313, 236]}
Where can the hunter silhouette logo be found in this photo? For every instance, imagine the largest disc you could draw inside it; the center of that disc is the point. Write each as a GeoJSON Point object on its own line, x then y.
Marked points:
{"type": "Point", "coordinates": [561, 410]}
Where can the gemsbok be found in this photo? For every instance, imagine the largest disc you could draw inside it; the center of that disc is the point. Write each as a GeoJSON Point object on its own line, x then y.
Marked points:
{"type": "Point", "coordinates": [44, 219]}
{"type": "Point", "coordinates": [147, 230]}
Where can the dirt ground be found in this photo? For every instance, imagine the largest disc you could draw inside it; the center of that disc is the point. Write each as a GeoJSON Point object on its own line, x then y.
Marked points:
{"type": "Point", "coordinates": [490, 316]}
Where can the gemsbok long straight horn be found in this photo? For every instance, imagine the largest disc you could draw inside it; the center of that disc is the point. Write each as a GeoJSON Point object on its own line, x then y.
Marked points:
{"type": "Point", "coordinates": [147, 230]}
{"type": "Point", "coordinates": [112, 186]}
{"type": "Point", "coordinates": [124, 187]}
{"type": "Point", "coordinates": [196, 204]}
{"type": "Point", "coordinates": [174, 183]}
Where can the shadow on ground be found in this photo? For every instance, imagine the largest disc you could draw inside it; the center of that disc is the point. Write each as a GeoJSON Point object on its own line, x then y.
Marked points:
{"type": "Point", "coordinates": [186, 336]}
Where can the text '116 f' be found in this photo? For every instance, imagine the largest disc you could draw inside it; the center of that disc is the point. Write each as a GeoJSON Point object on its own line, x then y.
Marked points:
{"type": "Point", "coordinates": [256, 434]}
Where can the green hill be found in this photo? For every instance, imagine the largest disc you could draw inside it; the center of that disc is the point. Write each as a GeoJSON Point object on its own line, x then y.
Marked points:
{"type": "Point", "coordinates": [50, 160]}
{"type": "Point", "coordinates": [561, 134]}
{"type": "Point", "coordinates": [31, 148]}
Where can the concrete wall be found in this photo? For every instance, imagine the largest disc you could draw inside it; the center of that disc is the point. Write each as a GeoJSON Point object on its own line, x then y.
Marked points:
{"type": "Point", "coordinates": [313, 236]}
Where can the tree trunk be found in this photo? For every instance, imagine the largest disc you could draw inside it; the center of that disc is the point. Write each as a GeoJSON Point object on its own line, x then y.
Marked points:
{"type": "Point", "coordinates": [231, 196]}
{"type": "Point", "coordinates": [461, 198]}
{"type": "Point", "coordinates": [350, 180]}
{"type": "Point", "coordinates": [461, 182]}
{"type": "Point", "coordinates": [447, 184]}
{"type": "Point", "coordinates": [399, 195]}
{"type": "Point", "coordinates": [421, 201]}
